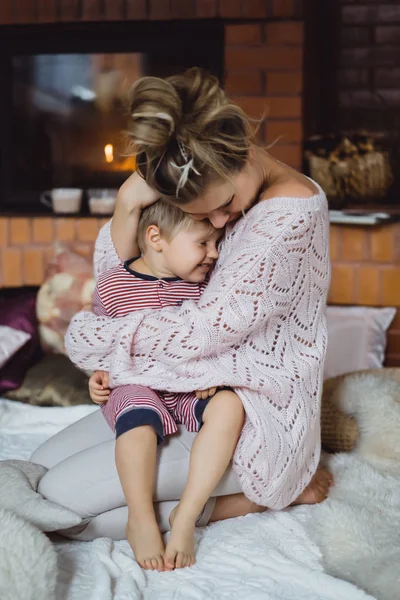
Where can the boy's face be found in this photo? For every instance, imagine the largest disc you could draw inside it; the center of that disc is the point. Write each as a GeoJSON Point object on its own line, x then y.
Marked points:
{"type": "Point", "coordinates": [192, 252]}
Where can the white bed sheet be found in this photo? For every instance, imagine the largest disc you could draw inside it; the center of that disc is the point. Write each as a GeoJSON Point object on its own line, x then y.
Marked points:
{"type": "Point", "coordinates": [258, 557]}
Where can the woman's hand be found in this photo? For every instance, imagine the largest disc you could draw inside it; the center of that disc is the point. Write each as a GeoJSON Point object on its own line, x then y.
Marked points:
{"type": "Point", "coordinates": [133, 196]}
{"type": "Point", "coordinates": [98, 387]}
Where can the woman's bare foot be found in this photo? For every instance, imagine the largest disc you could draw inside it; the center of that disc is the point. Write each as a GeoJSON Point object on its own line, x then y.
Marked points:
{"type": "Point", "coordinates": [146, 542]}
{"type": "Point", "coordinates": [317, 490]}
{"type": "Point", "coordinates": [179, 552]}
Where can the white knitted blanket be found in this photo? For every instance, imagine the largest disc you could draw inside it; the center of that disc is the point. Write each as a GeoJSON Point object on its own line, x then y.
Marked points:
{"type": "Point", "coordinates": [259, 557]}
{"type": "Point", "coordinates": [259, 327]}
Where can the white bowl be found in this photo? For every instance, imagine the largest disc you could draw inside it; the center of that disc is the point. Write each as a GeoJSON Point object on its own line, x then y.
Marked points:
{"type": "Point", "coordinates": [102, 202]}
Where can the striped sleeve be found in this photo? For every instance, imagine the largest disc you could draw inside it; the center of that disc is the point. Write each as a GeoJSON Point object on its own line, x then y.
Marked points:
{"type": "Point", "coordinates": [98, 307]}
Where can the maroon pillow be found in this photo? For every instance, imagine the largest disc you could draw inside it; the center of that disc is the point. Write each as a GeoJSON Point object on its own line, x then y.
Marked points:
{"type": "Point", "coordinates": [19, 312]}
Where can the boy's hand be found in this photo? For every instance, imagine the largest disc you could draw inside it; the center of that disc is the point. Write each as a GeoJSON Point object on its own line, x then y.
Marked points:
{"type": "Point", "coordinates": [98, 387]}
{"type": "Point", "coordinates": [204, 394]}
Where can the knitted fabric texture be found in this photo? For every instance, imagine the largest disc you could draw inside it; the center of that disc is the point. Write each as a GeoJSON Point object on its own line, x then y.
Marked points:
{"type": "Point", "coordinates": [259, 327]}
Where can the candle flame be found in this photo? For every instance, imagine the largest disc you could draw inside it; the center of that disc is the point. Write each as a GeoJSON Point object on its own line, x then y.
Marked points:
{"type": "Point", "coordinates": [109, 152]}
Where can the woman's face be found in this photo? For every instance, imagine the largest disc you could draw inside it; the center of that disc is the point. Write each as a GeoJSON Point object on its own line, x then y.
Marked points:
{"type": "Point", "coordinates": [225, 201]}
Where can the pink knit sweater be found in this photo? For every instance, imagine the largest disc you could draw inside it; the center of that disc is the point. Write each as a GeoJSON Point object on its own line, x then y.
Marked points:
{"type": "Point", "coordinates": [259, 327]}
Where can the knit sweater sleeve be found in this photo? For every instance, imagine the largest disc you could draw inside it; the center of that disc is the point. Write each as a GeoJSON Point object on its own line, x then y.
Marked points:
{"type": "Point", "coordinates": [192, 346]}
{"type": "Point", "coordinates": [195, 346]}
{"type": "Point", "coordinates": [105, 254]}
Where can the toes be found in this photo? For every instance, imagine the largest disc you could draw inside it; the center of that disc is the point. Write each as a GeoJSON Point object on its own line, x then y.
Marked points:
{"type": "Point", "coordinates": [192, 561]}
{"type": "Point", "coordinates": [320, 492]}
{"type": "Point", "coordinates": [186, 561]}
{"type": "Point", "coordinates": [326, 476]}
{"type": "Point", "coordinates": [147, 564]}
{"type": "Point", "coordinates": [154, 563]}
{"type": "Point", "coordinates": [323, 493]}
{"type": "Point", "coordinates": [180, 560]}
{"type": "Point", "coordinates": [170, 561]}
{"type": "Point", "coordinates": [160, 564]}
{"type": "Point", "coordinates": [189, 560]}
{"type": "Point", "coordinates": [169, 564]}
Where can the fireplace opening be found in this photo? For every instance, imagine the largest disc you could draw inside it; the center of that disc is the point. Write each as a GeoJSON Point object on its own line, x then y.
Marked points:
{"type": "Point", "coordinates": [64, 106]}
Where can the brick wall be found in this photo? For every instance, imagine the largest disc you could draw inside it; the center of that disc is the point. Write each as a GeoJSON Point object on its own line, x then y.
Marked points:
{"type": "Point", "coordinates": [50, 11]}
{"type": "Point", "coordinates": [366, 271]}
{"type": "Point", "coordinates": [263, 66]}
{"type": "Point", "coordinates": [27, 244]}
{"type": "Point", "coordinates": [368, 69]}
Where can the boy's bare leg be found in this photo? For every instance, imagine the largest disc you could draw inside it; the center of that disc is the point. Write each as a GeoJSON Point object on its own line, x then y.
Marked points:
{"type": "Point", "coordinates": [135, 457]}
{"type": "Point", "coordinates": [210, 455]}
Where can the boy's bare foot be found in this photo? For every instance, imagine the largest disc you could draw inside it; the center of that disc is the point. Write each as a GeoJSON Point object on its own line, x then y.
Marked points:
{"type": "Point", "coordinates": [179, 552]}
{"type": "Point", "coordinates": [146, 542]}
{"type": "Point", "coordinates": [317, 490]}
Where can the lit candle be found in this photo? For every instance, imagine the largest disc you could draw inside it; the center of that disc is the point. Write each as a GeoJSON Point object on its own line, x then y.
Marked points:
{"type": "Point", "coordinates": [109, 153]}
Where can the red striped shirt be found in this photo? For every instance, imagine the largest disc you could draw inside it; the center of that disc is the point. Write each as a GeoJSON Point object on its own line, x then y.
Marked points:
{"type": "Point", "coordinates": [121, 290]}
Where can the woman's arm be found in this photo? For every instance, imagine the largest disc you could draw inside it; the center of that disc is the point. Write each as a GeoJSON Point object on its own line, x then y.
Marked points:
{"type": "Point", "coordinates": [133, 196]}
{"type": "Point", "coordinates": [117, 240]}
{"type": "Point", "coordinates": [176, 347]}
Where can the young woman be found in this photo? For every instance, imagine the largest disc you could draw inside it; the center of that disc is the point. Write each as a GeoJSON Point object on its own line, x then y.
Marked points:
{"type": "Point", "coordinates": [259, 326]}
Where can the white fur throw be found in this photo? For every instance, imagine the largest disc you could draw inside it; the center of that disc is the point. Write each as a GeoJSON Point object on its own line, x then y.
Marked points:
{"type": "Point", "coordinates": [358, 527]}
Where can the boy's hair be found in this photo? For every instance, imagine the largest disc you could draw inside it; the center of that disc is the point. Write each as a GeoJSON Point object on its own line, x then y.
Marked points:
{"type": "Point", "coordinates": [169, 219]}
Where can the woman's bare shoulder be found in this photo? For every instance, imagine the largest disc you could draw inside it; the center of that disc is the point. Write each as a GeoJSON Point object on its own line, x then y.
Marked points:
{"type": "Point", "coordinates": [292, 185]}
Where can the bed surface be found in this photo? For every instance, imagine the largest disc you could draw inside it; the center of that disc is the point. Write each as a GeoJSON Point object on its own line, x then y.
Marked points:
{"type": "Point", "coordinates": [258, 557]}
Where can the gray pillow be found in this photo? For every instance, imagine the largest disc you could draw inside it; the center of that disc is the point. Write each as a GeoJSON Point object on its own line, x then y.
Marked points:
{"type": "Point", "coordinates": [19, 480]}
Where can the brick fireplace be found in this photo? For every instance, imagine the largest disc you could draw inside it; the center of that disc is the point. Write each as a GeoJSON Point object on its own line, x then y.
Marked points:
{"type": "Point", "coordinates": [263, 49]}
{"type": "Point", "coordinates": [263, 73]}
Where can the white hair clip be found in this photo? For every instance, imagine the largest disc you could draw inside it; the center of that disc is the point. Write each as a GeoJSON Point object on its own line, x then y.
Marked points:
{"type": "Point", "coordinates": [185, 174]}
{"type": "Point", "coordinates": [186, 168]}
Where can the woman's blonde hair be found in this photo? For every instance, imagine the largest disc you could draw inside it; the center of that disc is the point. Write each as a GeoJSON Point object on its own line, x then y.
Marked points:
{"type": "Point", "coordinates": [186, 134]}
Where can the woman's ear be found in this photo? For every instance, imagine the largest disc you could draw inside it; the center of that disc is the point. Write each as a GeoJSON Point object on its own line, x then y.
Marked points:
{"type": "Point", "coordinates": [153, 238]}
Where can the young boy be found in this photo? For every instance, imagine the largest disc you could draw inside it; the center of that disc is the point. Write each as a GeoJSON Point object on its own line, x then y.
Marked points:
{"type": "Point", "coordinates": [177, 254]}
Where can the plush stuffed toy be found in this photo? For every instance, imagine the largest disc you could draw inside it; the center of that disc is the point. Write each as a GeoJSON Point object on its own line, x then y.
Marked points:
{"type": "Point", "coordinates": [68, 288]}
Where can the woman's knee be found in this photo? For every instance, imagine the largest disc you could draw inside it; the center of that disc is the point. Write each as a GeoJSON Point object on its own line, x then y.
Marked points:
{"type": "Point", "coordinates": [228, 405]}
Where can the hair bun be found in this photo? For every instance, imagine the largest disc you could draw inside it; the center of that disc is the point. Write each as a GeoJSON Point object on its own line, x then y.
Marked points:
{"type": "Point", "coordinates": [200, 93]}
{"type": "Point", "coordinates": [156, 112]}
{"type": "Point", "coordinates": [186, 133]}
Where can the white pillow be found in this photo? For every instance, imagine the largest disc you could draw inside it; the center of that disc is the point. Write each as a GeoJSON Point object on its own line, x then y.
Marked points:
{"type": "Point", "coordinates": [11, 340]}
{"type": "Point", "coordinates": [356, 338]}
